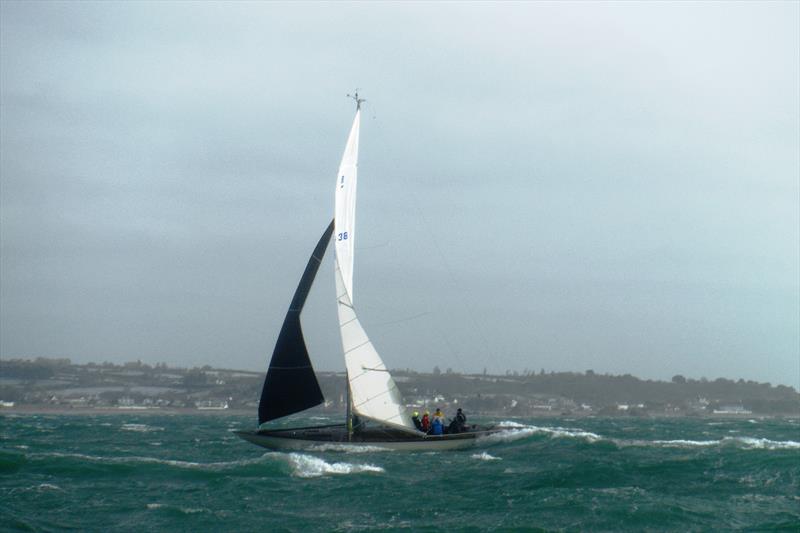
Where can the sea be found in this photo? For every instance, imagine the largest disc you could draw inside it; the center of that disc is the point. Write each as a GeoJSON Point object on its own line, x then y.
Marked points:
{"type": "Point", "coordinates": [135, 471]}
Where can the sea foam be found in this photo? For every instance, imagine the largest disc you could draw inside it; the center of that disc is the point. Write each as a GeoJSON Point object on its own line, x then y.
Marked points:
{"type": "Point", "coordinates": [309, 466]}
{"type": "Point", "coordinates": [223, 465]}
{"type": "Point", "coordinates": [141, 428]}
{"type": "Point", "coordinates": [483, 456]}
{"type": "Point", "coordinates": [746, 443]}
{"type": "Point", "coordinates": [515, 431]}
{"type": "Point", "coordinates": [348, 448]}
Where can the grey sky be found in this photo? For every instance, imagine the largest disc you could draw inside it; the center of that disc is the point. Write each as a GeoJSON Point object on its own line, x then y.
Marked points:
{"type": "Point", "coordinates": [548, 185]}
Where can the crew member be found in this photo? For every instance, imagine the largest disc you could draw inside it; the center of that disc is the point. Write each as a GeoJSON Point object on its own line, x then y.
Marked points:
{"type": "Point", "coordinates": [437, 425]}
{"type": "Point", "coordinates": [415, 419]}
{"type": "Point", "coordinates": [461, 421]}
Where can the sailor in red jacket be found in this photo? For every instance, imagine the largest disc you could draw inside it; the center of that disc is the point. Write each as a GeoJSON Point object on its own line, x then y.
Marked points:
{"type": "Point", "coordinates": [426, 422]}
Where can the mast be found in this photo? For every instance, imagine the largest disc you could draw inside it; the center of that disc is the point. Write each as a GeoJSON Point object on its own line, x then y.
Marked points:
{"type": "Point", "coordinates": [358, 101]}
{"type": "Point", "coordinates": [349, 410]}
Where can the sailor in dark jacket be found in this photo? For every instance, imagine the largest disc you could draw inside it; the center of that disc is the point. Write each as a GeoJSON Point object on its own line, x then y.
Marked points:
{"type": "Point", "coordinates": [461, 420]}
{"type": "Point", "coordinates": [415, 419]}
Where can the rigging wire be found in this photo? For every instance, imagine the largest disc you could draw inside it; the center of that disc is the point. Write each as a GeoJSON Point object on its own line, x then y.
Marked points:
{"type": "Point", "coordinates": [455, 283]}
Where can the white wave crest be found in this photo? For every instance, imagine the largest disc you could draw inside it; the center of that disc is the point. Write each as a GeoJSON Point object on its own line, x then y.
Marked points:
{"type": "Point", "coordinates": [507, 435]}
{"type": "Point", "coordinates": [516, 431]}
{"type": "Point", "coordinates": [347, 448]}
{"type": "Point", "coordinates": [309, 466]}
{"type": "Point", "coordinates": [184, 510]}
{"type": "Point", "coordinates": [752, 442]}
{"type": "Point", "coordinates": [748, 443]}
{"type": "Point", "coordinates": [483, 456]}
{"type": "Point", "coordinates": [224, 465]}
{"type": "Point", "coordinates": [676, 443]}
{"type": "Point", "coordinates": [511, 424]}
{"type": "Point", "coordinates": [141, 428]}
{"type": "Point", "coordinates": [571, 433]}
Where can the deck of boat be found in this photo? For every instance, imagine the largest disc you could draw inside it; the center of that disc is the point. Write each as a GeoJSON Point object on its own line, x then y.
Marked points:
{"type": "Point", "coordinates": [319, 437]}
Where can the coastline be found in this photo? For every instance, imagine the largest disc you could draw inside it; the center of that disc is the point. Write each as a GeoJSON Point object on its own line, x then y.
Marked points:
{"type": "Point", "coordinates": [184, 411]}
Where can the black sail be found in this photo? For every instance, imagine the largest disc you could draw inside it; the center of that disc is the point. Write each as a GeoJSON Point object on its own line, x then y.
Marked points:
{"type": "Point", "coordinates": [291, 385]}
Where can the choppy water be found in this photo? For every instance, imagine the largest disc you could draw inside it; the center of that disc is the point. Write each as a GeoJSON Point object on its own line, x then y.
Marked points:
{"type": "Point", "coordinates": [146, 472]}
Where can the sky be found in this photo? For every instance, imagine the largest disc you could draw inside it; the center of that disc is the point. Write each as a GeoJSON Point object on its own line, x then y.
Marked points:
{"type": "Point", "coordinates": [557, 186]}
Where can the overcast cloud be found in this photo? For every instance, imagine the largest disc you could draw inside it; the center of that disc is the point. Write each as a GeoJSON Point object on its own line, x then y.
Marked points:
{"type": "Point", "coordinates": [566, 186]}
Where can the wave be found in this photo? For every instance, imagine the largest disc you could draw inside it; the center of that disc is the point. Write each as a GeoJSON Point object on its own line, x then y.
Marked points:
{"type": "Point", "coordinates": [141, 428]}
{"type": "Point", "coordinates": [301, 465]}
{"type": "Point", "coordinates": [515, 431]}
{"type": "Point", "coordinates": [747, 443]}
{"type": "Point", "coordinates": [127, 460]}
{"type": "Point", "coordinates": [676, 443]}
{"type": "Point", "coordinates": [483, 456]}
{"type": "Point", "coordinates": [48, 486]}
{"type": "Point", "coordinates": [756, 443]}
{"type": "Point", "coordinates": [184, 510]}
{"type": "Point", "coordinates": [309, 466]}
{"type": "Point", "coordinates": [348, 448]}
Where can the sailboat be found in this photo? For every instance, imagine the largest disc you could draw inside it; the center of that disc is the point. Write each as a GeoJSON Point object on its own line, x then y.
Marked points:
{"type": "Point", "coordinates": [376, 415]}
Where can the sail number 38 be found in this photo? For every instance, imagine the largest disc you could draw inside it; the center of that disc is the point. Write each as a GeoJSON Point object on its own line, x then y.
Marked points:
{"type": "Point", "coordinates": [342, 236]}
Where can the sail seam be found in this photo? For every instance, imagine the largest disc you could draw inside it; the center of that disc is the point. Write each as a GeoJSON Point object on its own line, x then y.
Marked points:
{"type": "Point", "coordinates": [387, 391]}
{"type": "Point", "coordinates": [357, 347]}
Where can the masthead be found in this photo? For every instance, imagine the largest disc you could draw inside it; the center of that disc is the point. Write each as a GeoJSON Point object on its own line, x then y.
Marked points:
{"type": "Point", "coordinates": [358, 100]}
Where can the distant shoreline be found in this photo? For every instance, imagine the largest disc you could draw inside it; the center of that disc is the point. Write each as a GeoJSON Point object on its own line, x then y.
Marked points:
{"type": "Point", "coordinates": [82, 411]}
{"type": "Point", "coordinates": [56, 386]}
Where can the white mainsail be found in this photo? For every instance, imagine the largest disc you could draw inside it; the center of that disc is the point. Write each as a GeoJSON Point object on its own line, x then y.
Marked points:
{"type": "Point", "coordinates": [373, 392]}
{"type": "Point", "coordinates": [345, 214]}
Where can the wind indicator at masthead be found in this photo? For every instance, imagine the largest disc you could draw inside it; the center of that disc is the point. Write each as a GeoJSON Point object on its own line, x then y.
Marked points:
{"type": "Point", "coordinates": [358, 100]}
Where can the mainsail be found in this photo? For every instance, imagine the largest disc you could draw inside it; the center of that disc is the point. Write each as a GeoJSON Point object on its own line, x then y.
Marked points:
{"type": "Point", "coordinates": [291, 385]}
{"type": "Point", "coordinates": [345, 212]}
{"type": "Point", "coordinates": [373, 392]}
